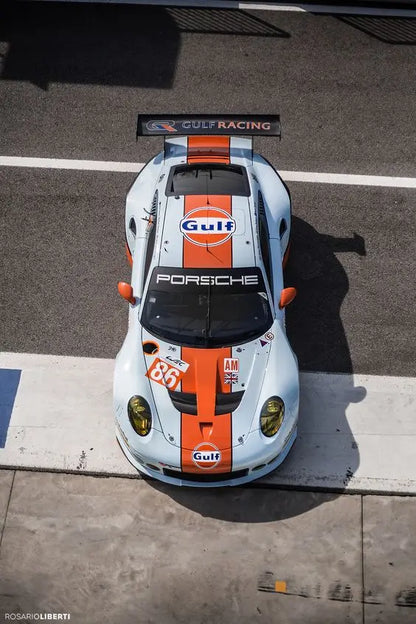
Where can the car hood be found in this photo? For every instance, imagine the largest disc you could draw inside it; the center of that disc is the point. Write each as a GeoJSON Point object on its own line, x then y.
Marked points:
{"type": "Point", "coordinates": [206, 396]}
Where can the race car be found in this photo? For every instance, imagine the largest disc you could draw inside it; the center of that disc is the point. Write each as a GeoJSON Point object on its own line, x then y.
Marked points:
{"type": "Point", "coordinates": [206, 385]}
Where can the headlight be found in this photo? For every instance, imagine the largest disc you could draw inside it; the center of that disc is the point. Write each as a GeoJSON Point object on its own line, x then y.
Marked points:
{"type": "Point", "coordinates": [271, 416]}
{"type": "Point", "coordinates": [140, 415]}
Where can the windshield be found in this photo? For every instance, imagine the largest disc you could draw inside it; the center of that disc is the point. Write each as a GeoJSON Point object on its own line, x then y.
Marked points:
{"type": "Point", "coordinates": [206, 307]}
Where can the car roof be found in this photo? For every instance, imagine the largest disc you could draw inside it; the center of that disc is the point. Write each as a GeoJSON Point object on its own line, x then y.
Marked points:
{"type": "Point", "coordinates": [211, 229]}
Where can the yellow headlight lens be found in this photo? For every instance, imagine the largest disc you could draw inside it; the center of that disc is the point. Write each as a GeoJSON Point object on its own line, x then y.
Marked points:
{"type": "Point", "coordinates": [140, 415]}
{"type": "Point", "coordinates": [271, 416]}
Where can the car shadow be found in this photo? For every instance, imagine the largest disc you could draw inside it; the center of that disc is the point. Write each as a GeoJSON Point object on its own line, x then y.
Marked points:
{"type": "Point", "coordinates": [325, 456]}
{"type": "Point", "coordinates": [313, 322]}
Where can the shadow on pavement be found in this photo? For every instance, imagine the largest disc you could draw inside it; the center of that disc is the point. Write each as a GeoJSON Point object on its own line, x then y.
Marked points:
{"type": "Point", "coordinates": [89, 44]}
{"type": "Point", "coordinates": [108, 44]}
{"type": "Point", "coordinates": [318, 338]}
{"type": "Point", "coordinates": [223, 22]}
{"type": "Point", "coordinates": [392, 30]}
{"type": "Point", "coordinates": [243, 504]}
{"type": "Point", "coordinates": [314, 324]}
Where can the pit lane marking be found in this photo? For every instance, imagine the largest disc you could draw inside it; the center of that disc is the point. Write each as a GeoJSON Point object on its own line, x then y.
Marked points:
{"type": "Point", "coordinates": [134, 167]}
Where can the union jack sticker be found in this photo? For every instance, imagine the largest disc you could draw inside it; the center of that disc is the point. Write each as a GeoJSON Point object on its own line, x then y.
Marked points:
{"type": "Point", "coordinates": [230, 378]}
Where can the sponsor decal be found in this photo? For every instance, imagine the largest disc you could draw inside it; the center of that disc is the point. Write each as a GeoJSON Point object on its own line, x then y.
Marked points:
{"type": "Point", "coordinates": [159, 125]}
{"type": "Point", "coordinates": [268, 337]}
{"type": "Point", "coordinates": [123, 435]}
{"type": "Point", "coordinates": [289, 435]}
{"type": "Point", "coordinates": [244, 125]}
{"type": "Point", "coordinates": [207, 227]}
{"type": "Point", "coordinates": [205, 280]}
{"type": "Point", "coordinates": [169, 466]}
{"type": "Point", "coordinates": [199, 124]}
{"type": "Point", "coordinates": [167, 373]}
{"type": "Point", "coordinates": [209, 124]}
{"type": "Point", "coordinates": [206, 456]}
{"type": "Point", "coordinates": [175, 361]}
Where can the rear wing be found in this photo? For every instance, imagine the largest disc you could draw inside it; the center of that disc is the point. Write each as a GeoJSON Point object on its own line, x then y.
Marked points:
{"type": "Point", "coordinates": [229, 125]}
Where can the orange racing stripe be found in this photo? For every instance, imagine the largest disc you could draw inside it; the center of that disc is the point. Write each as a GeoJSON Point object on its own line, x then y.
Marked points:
{"type": "Point", "coordinates": [205, 253]}
{"type": "Point", "coordinates": [205, 375]}
{"type": "Point", "coordinates": [205, 378]}
{"type": "Point", "coordinates": [205, 149]}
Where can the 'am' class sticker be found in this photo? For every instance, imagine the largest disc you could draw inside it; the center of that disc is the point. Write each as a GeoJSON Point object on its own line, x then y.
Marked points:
{"type": "Point", "coordinates": [207, 226]}
{"type": "Point", "coordinates": [231, 368]}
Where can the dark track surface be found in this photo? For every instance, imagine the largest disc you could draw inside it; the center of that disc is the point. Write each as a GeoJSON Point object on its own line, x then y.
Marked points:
{"type": "Point", "coordinates": [73, 79]}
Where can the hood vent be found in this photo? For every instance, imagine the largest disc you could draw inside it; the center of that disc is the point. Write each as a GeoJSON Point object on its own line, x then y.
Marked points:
{"type": "Point", "coordinates": [225, 403]}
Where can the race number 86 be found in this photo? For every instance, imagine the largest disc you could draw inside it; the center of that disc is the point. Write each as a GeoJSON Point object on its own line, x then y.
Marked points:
{"type": "Point", "coordinates": [164, 373]}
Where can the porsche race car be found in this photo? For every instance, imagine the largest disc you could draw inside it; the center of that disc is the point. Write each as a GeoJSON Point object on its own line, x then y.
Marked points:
{"type": "Point", "coordinates": [206, 385]}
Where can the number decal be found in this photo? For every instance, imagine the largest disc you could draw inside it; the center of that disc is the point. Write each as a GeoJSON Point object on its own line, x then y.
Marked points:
{"type": "Point", "coordinates": [164, 373]}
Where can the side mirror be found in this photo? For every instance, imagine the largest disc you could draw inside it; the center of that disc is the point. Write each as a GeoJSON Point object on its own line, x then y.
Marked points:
{"type": "Point", "coordinates": [126, 291]}
{"type": "Point", "coordinates": [286, 296]}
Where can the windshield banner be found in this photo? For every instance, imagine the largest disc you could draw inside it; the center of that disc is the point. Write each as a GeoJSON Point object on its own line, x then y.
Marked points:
{"type": "Point", "coordinates": [238, 280]}
{"type": "Point", "coordinates": [261, 125]}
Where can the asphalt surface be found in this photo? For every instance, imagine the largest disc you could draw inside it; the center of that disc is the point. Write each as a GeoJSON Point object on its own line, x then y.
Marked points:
{"type": "Point", "coordinates": [73, 78]}
{"type": "Point", "coordinates": [63, 248]}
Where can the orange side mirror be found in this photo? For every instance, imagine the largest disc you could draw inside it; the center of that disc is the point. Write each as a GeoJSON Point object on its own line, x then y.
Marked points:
{"type": "Point", "coordinates": [286, 296]}
{"type": "Point", "coordinates": [126, 291]}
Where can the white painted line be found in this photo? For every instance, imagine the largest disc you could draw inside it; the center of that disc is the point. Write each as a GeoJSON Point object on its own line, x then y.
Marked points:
{"type": "Point", "coordinates": [348, 178]}
{"type": "Point", "coordinates": [262, 6]}
{"type": "Point", "coordinates": [130, 167]}
{"type": "Point", "coordinates": [66, 163]}
{"type": "Point", "coordinates": [356, 432]}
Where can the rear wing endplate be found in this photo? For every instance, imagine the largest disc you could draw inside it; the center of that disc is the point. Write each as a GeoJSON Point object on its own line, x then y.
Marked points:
{"type": "Point", "coordinates": [229, 125]}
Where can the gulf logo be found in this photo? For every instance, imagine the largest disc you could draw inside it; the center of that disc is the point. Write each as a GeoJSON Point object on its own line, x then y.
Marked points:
{"type": "Point", "coordinates": [206, 456]}
{"type": "Point", "coordinates": [207, 227]}
{"type": "Point", "coordinates": [157, 126]}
